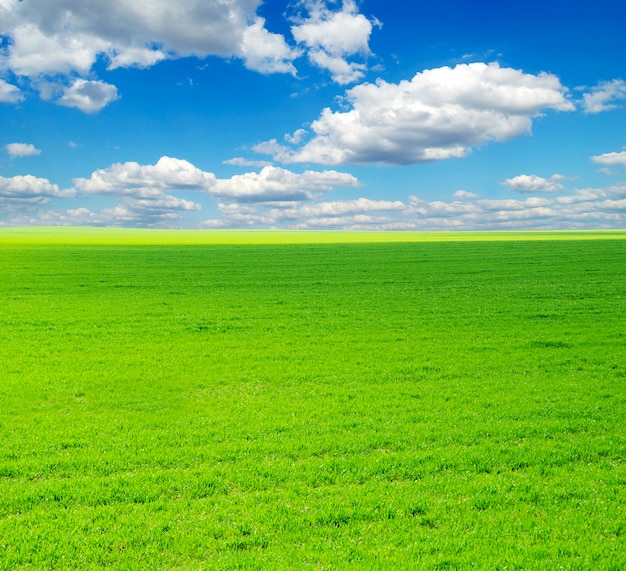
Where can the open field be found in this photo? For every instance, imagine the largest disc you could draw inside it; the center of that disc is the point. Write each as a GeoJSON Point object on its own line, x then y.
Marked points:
{"type": "Point", "coordinates": [68, 235]}
{"type": "Point", "coordinates": [448, 403]}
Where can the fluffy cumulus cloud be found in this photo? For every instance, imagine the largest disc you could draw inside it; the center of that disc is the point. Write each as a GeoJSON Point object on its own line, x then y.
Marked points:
{"type": "Point", "coordinates": [611, 159]}
{"type": "Point", "coordinates": [88, 96]}
{"type": "Point", "coordinates": [277, 184]}
{"type": "Point", "coordinates": [534, 183]}
{"type": "Point", "coordinates": [145, 196]}
{"type": "Point", "coordinates": [65, 38]}
{"type": "Point", "coordinates": [37, 50]}
{"type": "Point", "coordinates": [22, 150]}
{"type": "Point", "coordinates": [20, 195]}
{"type": "Point", "coordinates": [146, 192]}
{"type": "Point", "coordinates": [441, 113]}
{"type": "Point", "coordinates": [331, 37]}
{"type": "Point", "coordinates": [587, 208]}
{"type": "Point", "coordinates": [604, 96]}
{"type": "Point", "coordinates": [58, 36]}
{"type": "Point", "coordinates": [28, 186]}
{"type": "Point", "coordinates": [146, 181]}
{"type": "Point", "coordinates": [265, 52]}
{"type": "Point", "coordinates": [150, 182]}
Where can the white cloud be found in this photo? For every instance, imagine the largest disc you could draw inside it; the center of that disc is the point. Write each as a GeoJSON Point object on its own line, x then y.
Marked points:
{"type": "Point", "coordinates": [135, 56]}
{"type": "Point", "coordinates": [441, 113]}
{"type": "Point", "coordinates": [22, 150]}
{"type": "Point", "coordinates": [29, 187]}
{"type": "Point", "coordinates": [9, 93]}
{"type": "Point", "coordinates": [59, 36]}
{"type": "Point", "coordinates": [336, 208]}
{"type": "Point", "coordinates": [151, 182]}
{"type": "Point", "coordinates": [242, 162]}
{"type": "Point", "coordinates": [273, 147]}
{"type": "Point", "coordinates": [592, 195]}
{"type": "Point", "coordinates": [165, 212]}
{"type": "Point", "coordinates": [279, 198]}
{"type": "Point", "coordinates": [146, 181]}
{"type": "Point", "coordinates": [157, 211]}
{"type": "Point", "coordinates": [265, 52]}
{"type": "Point", "coordinates": [338, 33]}
{"type": "Point", "coordinates": [51, 38]}
{"type": "Point", "coordinates": [296, 137]}
{"type": "Point", "coordinates": [356, 222]}
{"type": "Point", "coordinates": [121, 215]}
{"type": "Point", "coordinates": [583, 209]}
{"type": "Point", "coordinates": [35, 50]}
{"type": "Point", "coordinates": [613, 159]}
{"type": "Point", "coordinates": [534, 183]}
{"type": "Point", "coordinates": [341, 207]}
{"type": "Point", "coordinates": [273, 183]}
{"type": "Point", "coordinates": [319, 214]}
{"type": "Point", "coordinates": [439, 208]}
{"type": "Point", "coordinates": [332, 36]}
{"type": "Point", "coordinates": [509, 204]}
{"type": "Point", "coordinates": [88, 96]}
{"type": "Point", "coordinates": [143, 189]}
{"type": "Point", "coordinates": [464, 194]}
{"type": "Point", "coordinates": [160, 204]}
{"type": "Point", "coordinates": [588, 208]}
{"type": "Point", "coordinates": [603, 96]}
{"type": "Point", "coordinates": [342, 71]}
{"type": "Point", "coordinates": [61, 39]}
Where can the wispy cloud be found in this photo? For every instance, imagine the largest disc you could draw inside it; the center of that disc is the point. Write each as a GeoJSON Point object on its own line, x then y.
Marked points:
{"type": "Point", "coordinates": [584, 208]}
{"type": "Point", "coordinates": [604, 96]}
{"type": "Point", "coordinates": [242, 162]}
{"type": "Point", "coordinates": [9, 93]}
{"type": "Point", "coordinates": [465, 194]}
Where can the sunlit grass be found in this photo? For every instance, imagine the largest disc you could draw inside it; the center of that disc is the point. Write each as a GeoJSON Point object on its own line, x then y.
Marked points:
{"type": "Point", "coordinates": [414, 404]}
{"type": "Point", "coordinates": [103, 236]}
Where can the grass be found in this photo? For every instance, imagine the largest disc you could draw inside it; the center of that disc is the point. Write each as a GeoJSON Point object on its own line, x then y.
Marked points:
{"type": "Point", "coordinates": [427, 404]}
{"type": "Point", "coordinates": [116, 236]}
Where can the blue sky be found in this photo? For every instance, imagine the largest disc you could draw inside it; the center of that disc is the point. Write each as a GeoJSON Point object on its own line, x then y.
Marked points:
{"type": "Point", "coordinates": [313, 114]}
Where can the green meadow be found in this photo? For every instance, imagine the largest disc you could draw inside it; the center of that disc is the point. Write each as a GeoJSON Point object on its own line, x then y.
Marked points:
{"type": "Point", "coordinates": [251, 400]}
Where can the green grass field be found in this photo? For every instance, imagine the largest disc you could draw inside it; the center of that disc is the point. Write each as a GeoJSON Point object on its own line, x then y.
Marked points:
{"type": "Point", "coordinates": [312, 401]}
